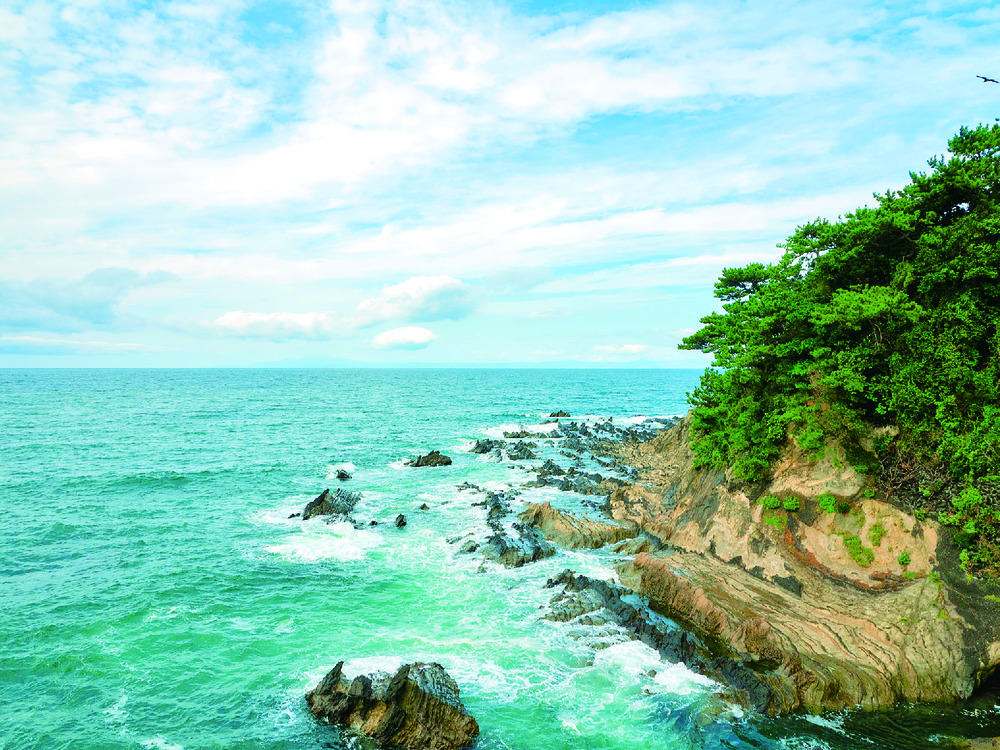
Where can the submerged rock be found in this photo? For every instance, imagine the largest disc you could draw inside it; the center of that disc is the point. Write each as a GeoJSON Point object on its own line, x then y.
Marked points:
{"type": "Point", "coordinates": [434, 458]}
{"type": "Point", "coordinates": [328, 503]}
{"type": "Point", "coordinates": [342, 475]}
{"type": "Point", "coordinates": [416, 708]}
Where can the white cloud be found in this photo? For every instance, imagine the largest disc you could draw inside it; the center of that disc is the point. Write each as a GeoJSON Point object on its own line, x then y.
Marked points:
{"type": "Point", "coordinates": [409, 337]}
{"type": "Point", "coordinates": [420, 298]}
{"type": "Point", "coordinates": [281, 325]}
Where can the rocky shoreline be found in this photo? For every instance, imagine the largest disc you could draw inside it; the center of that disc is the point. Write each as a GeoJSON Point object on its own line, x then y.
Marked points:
{"type": "Point", "coordinates": [807, 594]}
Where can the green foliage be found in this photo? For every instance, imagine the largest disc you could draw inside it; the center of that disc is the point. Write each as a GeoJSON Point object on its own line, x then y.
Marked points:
{"type": "Point", "coordinates": [779, 521]}
{"type": "Point", "coordinates": [770, 502]}
{"type": "Point", "coordinates": [876, 533]}
{"type": "Point", "coordinates": [862, 555]}
{"type": "Point", "coordinates": [886, 316]}
{"type": "Point", "coordinates": [791, 504]}
{"type": "Point", "coordinates": [843, 507]}
{"type": "Point", "coordinates": [827, 502]}
{"type": "Point", "coordinates": [904, 558]}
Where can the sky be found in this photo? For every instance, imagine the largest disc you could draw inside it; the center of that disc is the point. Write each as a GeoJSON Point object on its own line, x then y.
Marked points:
{"type": "Point", "coordinates": [364, 183]}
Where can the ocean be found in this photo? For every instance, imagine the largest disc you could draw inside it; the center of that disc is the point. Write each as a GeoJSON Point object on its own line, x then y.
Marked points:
{"type": "Point", "coordinates": [156, 593]}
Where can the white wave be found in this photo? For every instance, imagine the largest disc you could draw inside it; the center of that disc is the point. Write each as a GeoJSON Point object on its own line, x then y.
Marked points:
{"type": "Point", "coordinates": [332, 469]}
{"type": "Point", "coordinates": [160, 744]}
{"type": "Point", "coordinates": [372, 664]}
{"type": "Point", "coordinates": [338, 541]}
{"type": "Point", "coordinates": [634, 658]}
{"type": "Point", "coordinates": [399, 465]}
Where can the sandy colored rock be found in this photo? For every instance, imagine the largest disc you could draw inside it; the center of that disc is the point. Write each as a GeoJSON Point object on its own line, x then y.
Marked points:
{"type": "Point", "coordinates": [827, 629]}
{"type": "Point", "coordinates": [574, 532]}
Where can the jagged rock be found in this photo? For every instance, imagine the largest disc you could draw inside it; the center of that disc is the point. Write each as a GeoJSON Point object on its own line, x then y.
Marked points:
{"type": "Point", "coordinates": [559, 414]}
{"type": "Point", "coordinates": [373, 523]}
{"type": "Point", "coordinates": [434, 458]}
{"type": "Point", "coordinates": [468, 486]}
{"type": "Point", "coordinates": [342, 475]}
{"type": "Point", "coordinates": [522, 452]}
{"type": "Point", "coordinates": [295, 515]}
{"type": "Point", "coordinates": [339, 503]}
{"type": "Point", "coordinates": [485, 446]}
{"type": "Point", "coordinates": [497, 507]}
{"type": "Point", "coordinates": [469, 546]}
{"type": "Point", "coordinates": [417, 708]}
{"type": "Point", "coordinates": [572, 531]}
{"type": "Point", "coordinates": [514, 553]}
{"type": "Point", "coordinates": [400, 521]}
{"type": "Point", "coordinates": [424, 506]}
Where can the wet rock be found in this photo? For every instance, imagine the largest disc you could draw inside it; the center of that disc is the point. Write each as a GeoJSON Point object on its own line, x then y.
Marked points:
{"type": "Point", "coordinates": [400, 521]}
{"type": "Point", "coordinates": [373, 523]}
{"type": "Point", "coordinates": [497, 507]}
{"type": "Point", "coordinates": [469, 486]}
{"type": "Point", "coordinates": [295, 515]}
{"type": "Point", "coordinates": [559, 414]}
{"type": "Point", "coordinates": [486, 445]}
{"type": "Point", "coordinates": [511, 552]}
{"type": "Point", "coordinates": [424, 506]}
{"type": "Point", "coordinates": [339, 503]}
{"type": "Point", "coordinates": [342, 475]}
{"type": "Point", "coordinates": [522, 452]}
{"type": "Point", "coordinates": [469, 546]}
{"type": "Point", "coordinates": [416, 708]}
{"type": "Point", "coordinates": [434, 458]}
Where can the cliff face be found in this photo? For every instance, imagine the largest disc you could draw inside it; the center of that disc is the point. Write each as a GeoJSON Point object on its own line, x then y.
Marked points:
{"type": "Point", "coordinates": [817, 602]}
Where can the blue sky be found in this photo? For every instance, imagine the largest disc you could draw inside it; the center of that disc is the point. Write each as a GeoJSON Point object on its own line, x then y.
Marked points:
{"type": "Point", "coordinates": [234, 183]}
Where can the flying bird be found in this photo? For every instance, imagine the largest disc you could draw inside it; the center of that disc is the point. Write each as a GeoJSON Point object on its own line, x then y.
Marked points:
{"type": "Point", "coordinates": [988, 80]}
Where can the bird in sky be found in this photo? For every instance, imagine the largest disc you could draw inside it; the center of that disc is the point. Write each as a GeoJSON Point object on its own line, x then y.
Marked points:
{"type": "Point", "coordinates": [988, 80]}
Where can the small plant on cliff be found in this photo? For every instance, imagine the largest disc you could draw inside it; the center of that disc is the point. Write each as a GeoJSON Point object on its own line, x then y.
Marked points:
{"type": "Point", "coordinates": [876, 533]}
{"type": "Point", "coordinates": [792, 504]}
{"type": "Point", "coordinates": [843, 507]}
{"type": "Point", "coordinates": [862, 555]}
{"type": "Point", "coordinates": [771, 502]}
{"type": "Point", "coordinates": [827, 502]}
{"type": "Point", "coordinates": [904, 558]}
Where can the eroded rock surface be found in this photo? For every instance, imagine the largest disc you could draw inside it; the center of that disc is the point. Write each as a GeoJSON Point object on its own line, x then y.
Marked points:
{"type": "Point", "coordinates": [337, 503]}
{"type": "Point", "coordinates": [434, 458]}
{"type": "Point", "coordinates": [816, 602]}
{"type": "Point", "coordinates": [574, 532]}
{"type": "Point", "coordinates": [418, 707]}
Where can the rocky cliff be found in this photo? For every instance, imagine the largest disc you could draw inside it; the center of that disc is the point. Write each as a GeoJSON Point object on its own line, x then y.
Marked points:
{"type": "Point", "coordinates": [832, 596]}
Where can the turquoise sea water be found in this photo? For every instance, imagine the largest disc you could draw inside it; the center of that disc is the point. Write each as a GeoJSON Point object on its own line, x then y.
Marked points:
{"type": "Point", "coordinates": [155, 593]}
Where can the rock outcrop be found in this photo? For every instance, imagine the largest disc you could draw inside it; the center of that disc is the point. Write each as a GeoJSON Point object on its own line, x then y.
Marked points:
{"type": "Point", "coordinates": [822, 604]}
{"type": "Point", "coordinates": [416, 708]}
{"type": "Point", "coordinates": [574, 532]}
{"type": "Point", "coordinates": [338, 503]}
{"type": "Point", "coordinates": [434, 458]}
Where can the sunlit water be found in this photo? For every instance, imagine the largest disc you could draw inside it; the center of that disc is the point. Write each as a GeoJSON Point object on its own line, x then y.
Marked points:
{"type": "Point", "coordinates": [155, 593]}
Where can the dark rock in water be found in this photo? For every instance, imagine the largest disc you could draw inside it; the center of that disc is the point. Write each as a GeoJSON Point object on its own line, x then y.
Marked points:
{"type": "Point", "coordinates": [514, 553]}
{"type": "Point", "coordinates": [434, 458]}
{"type": "Point", "coordinates": [295, 515]}
{"type": "Point", "coordinates": [342, 475]}
{"type": "Point", "coordinates": [400, 521]}
{"type": "Point", "coordinates": [328, 503]}
{"type": "Point", "coordinates": [485, 446]}
{"type": "Point", "coordinates": [521, 452]}
{"type": "Point", "coordinates": [470, 546]}
{"type": "Point", "coordinates": [523, 433]}
{"type": "Point", "coordinates": [373, 523]}
{"type": "Point", "coordinates": [424, 506]}
{"type": "Point", "coordinates": [416, 708]}
{"type": "Point", "coordinates": [469, 486]}
{"type": "Point", "coordinates": [559, 414]}
{"type": "Point", "coordinates": [497, 506]}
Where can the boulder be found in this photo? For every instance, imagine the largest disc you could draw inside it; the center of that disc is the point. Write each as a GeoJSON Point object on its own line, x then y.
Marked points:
{"type": "Point", "coordinates": [342, 475]}
{"type": "Point", "coordinates": [416, 708]}
{"type": "Point", "coordinates": [328, 503]}
{"type": "Point", "coordinates": [434, 458]}
{"type": "Point", "coordinates": [528, 547]}
{"type": "Point", "coordinates": [400, 521]}
{"type": "Point", "coordinates": [485, 446]}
